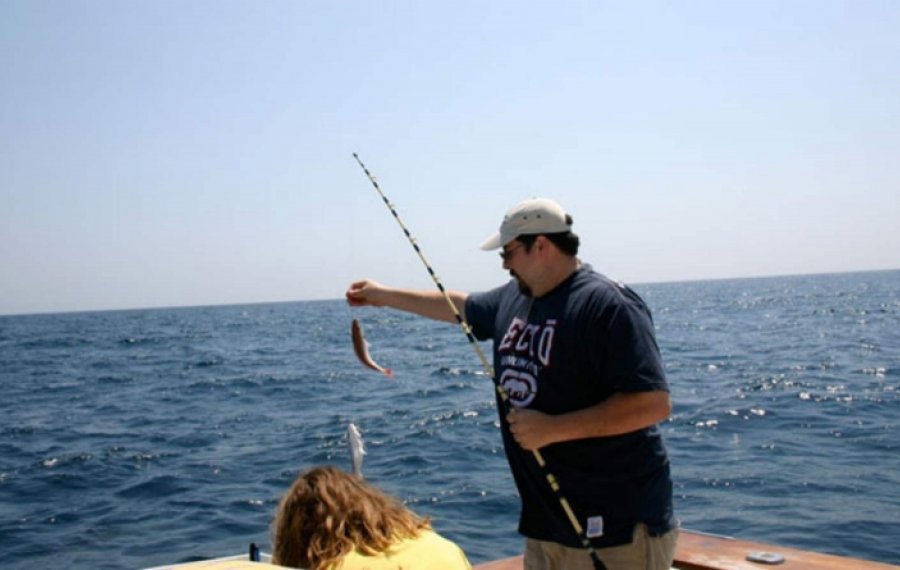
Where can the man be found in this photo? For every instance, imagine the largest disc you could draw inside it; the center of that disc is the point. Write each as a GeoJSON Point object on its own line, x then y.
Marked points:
{"type": "Point", "coordinates": [577, 355]}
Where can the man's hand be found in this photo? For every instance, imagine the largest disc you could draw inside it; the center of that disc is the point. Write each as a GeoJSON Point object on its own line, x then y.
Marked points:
{"type": "Point", "coordinates": [365, 293]}
{"type": "Point", "coordinates": [531, 429]}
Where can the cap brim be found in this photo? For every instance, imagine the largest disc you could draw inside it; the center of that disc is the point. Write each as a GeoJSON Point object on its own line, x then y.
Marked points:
{"type": "Point", "coordinates": [492, 242]}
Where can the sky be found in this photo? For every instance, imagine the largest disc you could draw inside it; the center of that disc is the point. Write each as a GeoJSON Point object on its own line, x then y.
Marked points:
{"type": "Point", "coordinates": [197, 152]}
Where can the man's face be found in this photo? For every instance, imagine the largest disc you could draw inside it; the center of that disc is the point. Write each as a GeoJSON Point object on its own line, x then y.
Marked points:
{"type": "Point", "coordinates": [516, 260]}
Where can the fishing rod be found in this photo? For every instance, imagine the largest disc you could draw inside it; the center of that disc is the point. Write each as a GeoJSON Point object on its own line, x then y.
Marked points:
{"type": "Point", "coordinates": [501, 391]}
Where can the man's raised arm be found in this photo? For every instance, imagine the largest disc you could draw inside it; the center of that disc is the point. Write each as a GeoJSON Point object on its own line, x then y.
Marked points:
{"type": "Point", "coordinates": [430, 304]}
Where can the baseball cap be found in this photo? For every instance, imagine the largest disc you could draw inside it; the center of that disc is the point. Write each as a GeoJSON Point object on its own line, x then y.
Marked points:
{"type": "Point", "coordinates": [532, 216]}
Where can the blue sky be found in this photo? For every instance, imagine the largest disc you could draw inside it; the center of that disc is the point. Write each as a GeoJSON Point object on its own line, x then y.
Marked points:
{"type": "Point", "coordinates": [170, 153]}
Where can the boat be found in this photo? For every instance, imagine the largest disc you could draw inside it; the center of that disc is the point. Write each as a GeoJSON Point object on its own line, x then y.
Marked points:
{"type": "Point", "coordinates": [695, 551]}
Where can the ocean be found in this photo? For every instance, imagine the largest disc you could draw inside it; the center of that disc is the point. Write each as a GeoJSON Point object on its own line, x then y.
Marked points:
{"type": "Point", "coordinates": [130, 439]}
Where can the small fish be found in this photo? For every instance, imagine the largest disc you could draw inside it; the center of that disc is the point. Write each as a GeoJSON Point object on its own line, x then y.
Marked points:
{"type": "Point", "coordinates": [361, 348]}
{"type": "Point", "coordinates": [357, 449]}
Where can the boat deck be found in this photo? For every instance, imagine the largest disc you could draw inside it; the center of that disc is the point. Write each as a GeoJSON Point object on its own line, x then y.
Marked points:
{"type": "Point", "coordinates": [698, 551]}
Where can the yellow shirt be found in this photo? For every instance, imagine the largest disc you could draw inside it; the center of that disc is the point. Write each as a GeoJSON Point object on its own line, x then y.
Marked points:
{"type": "Point", "coordinates": [428, 551]}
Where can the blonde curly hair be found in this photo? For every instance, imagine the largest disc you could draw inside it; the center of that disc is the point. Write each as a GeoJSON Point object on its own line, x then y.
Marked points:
{"type": "Point", "coordinates": [327, 513]}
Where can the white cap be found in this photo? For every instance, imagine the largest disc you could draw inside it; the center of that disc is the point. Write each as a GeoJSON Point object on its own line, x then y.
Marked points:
{"type": "Point", "coordinates": [533, 216]}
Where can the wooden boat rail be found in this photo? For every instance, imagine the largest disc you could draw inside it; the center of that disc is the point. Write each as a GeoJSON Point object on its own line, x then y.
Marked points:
{"type": "Point", "coordinates": [699, 551]}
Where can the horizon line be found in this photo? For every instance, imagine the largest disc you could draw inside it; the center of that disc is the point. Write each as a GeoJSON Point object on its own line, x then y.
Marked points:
{"type": "Point", "coordinates": [331, 299]}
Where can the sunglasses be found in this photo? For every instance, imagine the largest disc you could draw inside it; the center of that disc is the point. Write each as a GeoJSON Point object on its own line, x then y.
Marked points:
{"type": "Point", "coordinates": [507, 254]}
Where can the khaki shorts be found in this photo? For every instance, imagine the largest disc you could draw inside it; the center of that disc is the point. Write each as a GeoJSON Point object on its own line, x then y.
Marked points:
{"type": "Point", "coordinates": [644, 553]}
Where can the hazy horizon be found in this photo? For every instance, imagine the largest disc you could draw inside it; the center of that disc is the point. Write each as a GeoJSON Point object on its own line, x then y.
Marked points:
{"type": "Point", "coordinates": [341, 297]}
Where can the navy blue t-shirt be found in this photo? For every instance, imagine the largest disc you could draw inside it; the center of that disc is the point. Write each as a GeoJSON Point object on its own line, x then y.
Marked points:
{"type": "Point", "coordinates": [567, 350]}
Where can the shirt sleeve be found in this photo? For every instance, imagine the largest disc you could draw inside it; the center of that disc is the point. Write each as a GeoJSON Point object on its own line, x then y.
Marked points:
{"type": "Point", "coordinates": [632, 360]}
{"type": "Point", "coordinates": [481, 312]}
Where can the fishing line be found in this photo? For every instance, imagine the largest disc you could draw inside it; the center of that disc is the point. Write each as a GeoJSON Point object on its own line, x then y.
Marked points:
{"type": "Point", "coordinates": [501, 391]}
